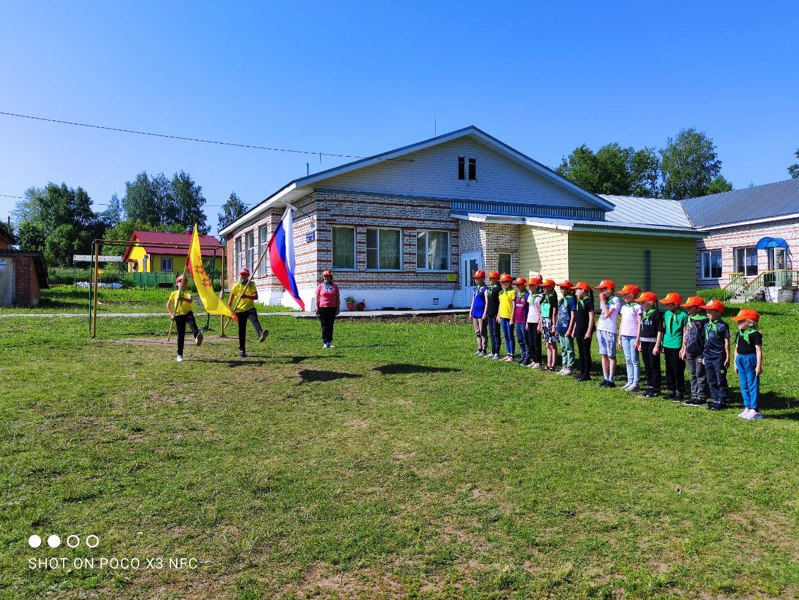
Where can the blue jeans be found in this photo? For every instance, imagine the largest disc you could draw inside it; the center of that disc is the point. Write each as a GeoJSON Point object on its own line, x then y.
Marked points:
{"type": "Point", "coordinates": [631, 358]}
{"type": "Point", "coordinates": [750, 383]}
{"type": "Point", "coordinates": [493, 330]}
{"type": "Point", "coordinates": [716, 379]}
{"type": "Point", "coordinates": [521, 336]}
{"type": "Point", "coordinates": [507, 333]}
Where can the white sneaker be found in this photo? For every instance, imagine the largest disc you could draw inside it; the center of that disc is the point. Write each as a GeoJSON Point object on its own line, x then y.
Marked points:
{"type": "Point", "coordinates": [565, 371]}
{"type": "Point", "coordinates": [744, 414]}
{"type": "Point", "coordinates": [754, 415]}
{"type": "Point", "coordinates": [478, 353]}
{"type": "Point", "coordinates": [534, 366]}
{"type": "Point", "coordinates": [330, 345]}
{"type": "Point", "coordinates": [179, 358]}
{"type": "Point", "coordinates": [495, 356]}
{"type": "Point", "coordinates": [627, 386]}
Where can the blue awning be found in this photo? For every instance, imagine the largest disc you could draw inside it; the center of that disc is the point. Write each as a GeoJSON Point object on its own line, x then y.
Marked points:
{"type": "Point", "coordinates": [771, 242]}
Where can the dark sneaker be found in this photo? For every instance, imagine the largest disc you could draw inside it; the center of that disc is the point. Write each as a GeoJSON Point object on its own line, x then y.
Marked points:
{"type": "Point", "coordinates": [670, 396]}
{"type": "Point", "coordinates": [610, 384]}
{"type": "Point", "coordinates": [695, 402]}
{"type": "Point", "coordinates": [199, 339]}
{"type": "Point", "coordinates": [716, 406]}
{"type": "Point", "coordinates": [242, 354]}
{"type": "Point", "coordinates": [603, 383]}
{"type": "Point", "coordinates": [678, 399]}
{"type": "Point", "coordinates": [263, 335]}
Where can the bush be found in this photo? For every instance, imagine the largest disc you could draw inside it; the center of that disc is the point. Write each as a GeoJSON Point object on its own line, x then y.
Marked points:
{"type": "Point", "coordinates": [714, 294]}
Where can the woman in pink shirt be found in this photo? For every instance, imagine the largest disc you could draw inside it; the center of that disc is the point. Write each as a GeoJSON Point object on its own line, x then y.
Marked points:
{"type": "Point", "coordinates": [328, 302]}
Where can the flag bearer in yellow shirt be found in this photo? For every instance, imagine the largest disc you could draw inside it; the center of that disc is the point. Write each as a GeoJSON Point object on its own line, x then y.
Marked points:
{"type": "Point", "coordinates": [245, 309]}
{"type": "Point", "coordinates": [179, 308]}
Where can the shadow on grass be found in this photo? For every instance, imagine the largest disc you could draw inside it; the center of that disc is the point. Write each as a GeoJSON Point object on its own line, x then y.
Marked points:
{"type": "Point", "coordinates": [310, 376]}
{"type": "Point", "coordinates": [772, 402]}
{"type": "Point", "coordinates": [404, 368]}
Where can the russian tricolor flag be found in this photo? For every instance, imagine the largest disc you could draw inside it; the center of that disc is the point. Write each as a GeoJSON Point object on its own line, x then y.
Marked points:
{"type": "Point", "coordinates": [281, 256]}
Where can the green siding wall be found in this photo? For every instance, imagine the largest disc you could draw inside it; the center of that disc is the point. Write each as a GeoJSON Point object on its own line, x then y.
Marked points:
{"type": "Point", "coordinates": [543, 251]}
{"type": "Point", "coordinates": [621, 257]}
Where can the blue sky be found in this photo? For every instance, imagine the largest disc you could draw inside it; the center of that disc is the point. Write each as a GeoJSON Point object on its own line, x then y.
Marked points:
{"type": "Point", "coordinates": [364, 77]}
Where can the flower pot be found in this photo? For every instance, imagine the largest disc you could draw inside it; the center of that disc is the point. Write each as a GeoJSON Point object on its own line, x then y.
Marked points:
{"type": "Point", "coordinates": [350, 305]}
{"type": "Point", "coordinates": [361, 305]}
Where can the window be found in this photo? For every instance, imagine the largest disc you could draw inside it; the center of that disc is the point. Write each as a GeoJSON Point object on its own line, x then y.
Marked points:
{"type": "Point", "coordinates": [144, 264]}
{"type": "Point", "coordinates": [262, 241]}
{"type": "Point", "coordinates": [432, 250]}
{"type": "Point", "coordinates": [238, 255]}
{"type": "Point", "coordinates": [472, 169]}
{"type": "Point", "coordinates": [166, 265]}
{"type": "Point", "coordinates": [250, 241]}
{"type": "Point", "coordinates": [503, 263]}
{"type": "Point", "coordinates": [711, 264]}
{"type": "Point", "coordinates": [746, 261]}
{"type": "Point", "coordinates": [383, 249]}
{"type": "Point", "coordinates": [344, 247]}
{"type": "Point", "coordinates": [461, 167]}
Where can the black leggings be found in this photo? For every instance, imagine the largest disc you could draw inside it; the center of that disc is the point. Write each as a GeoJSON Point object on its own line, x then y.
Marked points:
{"type": "Point", "coordinates": [584, 349]}
{"type": "Point", "coordinates": [252, 316]}
{"type": "Point", "coordinates": [180, 323]}
{"type": "Point", "coordinates": [534, 342]}
{"type": "Point", "coordinates": [651, 366]}
{"type": "Point", "coordinates": [327, 317]}
{"type": "Point", "coordinates": [675, 372]}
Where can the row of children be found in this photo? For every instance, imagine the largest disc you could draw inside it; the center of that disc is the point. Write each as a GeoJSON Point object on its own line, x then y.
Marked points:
{"type": "Point", "coordinates": [533, 314]}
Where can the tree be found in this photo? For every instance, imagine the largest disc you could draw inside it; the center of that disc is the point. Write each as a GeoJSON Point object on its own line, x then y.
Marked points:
{"type": "Point", "coordinates": [231, 210]}
{"type": "Point", "coordinates": [794, 169]}
{"type": "Point", "coordinates": [114, 213]}
{"type": "Point", "coordinates": [160, 202]}
{"type": "Point", "coordinates": [689, 164]}
{"type": "Point", "coordinates": [58, 221]}
{"type": "Point", "coordinates": [719, 185]}
{"type": "Point", "coordinates": [645, 173]}
{"type": "Point", "coordinates": [612, 170]}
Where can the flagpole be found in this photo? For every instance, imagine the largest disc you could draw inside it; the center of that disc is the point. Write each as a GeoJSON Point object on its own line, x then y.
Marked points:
{"type": "Point", "coordinates": [177, 301]}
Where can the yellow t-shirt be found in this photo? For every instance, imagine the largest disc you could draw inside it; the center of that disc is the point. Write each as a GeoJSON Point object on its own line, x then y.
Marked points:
{"type": "Point", "coordinates": [237, 290]}
{"type": "Point", "coordinates": [506, 298]}
{"type": "Point", "coordinates": [182, 308]}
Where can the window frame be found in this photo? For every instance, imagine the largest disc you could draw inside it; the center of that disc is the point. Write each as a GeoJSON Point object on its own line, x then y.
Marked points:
{"type": "Point", "coordinates": [746, 250]}
{"type": "Point", "coordinates": [161, 264]}
{"type": "Point", "coordinates": [472, 171]}
{"type": "Point", "coordinates": [354, 248]}
{"type": "Point", "coordinates": [510, 262]}
{"type": "Point", "coordinates": [709, 254]}
{"type": "Point", "coordinates": [379, 269]}
{"type": "Point", "coordinates": [427, 268]}
{"type": "Point", "coordinates": [262, 241]}
{"type": "Point", "coordinates": [461, 167]}
{"type": "Point", "coordinates": [237, 252]}
{"type": "Point", "coordinates": [249, 255]}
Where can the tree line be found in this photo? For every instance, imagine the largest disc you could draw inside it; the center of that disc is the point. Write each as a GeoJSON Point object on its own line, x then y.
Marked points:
{"type": "Point", "coordinates": [59, 221]}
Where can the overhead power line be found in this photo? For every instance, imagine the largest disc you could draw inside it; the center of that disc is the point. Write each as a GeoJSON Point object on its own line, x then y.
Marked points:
{"type": "Point", "coordinates": [178, 137]}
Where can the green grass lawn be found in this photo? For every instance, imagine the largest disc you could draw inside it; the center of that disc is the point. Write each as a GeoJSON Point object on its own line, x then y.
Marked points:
{"type": "Point", "coordinates": [395, 465]}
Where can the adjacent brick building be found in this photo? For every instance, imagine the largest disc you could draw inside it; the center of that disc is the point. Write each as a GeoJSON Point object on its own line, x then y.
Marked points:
{"type": "Point", "coordinates": [22, 274]}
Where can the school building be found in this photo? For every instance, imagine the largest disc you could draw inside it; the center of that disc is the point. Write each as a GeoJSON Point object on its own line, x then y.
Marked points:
{"type": "Point", "coordinates": [407, 228]}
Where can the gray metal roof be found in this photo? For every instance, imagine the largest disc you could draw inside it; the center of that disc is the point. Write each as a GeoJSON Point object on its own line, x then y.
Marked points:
{"type": "Point", "coordinates": [646, 211]}
{"type": "Point", "coordinates": [747, 204]}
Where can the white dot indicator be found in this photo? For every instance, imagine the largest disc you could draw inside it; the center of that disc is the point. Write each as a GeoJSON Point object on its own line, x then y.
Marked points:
{"type": "Point", "coordinates": [73, 541]}
{"type": "Point", "coordinates": [92, 541]}
{"type": "Point", "coordinates": [54, 541]}
{"type": "Point", "coordinates": [34, 541]}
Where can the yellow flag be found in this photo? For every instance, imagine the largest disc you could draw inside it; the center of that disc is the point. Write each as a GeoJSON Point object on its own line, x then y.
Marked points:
{"type": "Point", "coordinates": [212, 303]}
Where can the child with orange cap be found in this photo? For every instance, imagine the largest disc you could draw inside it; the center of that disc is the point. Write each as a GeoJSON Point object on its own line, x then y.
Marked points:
{"type": "Point", "coordinates": [628, 331]}
{"type": "Point", "coordinates": [549, 307]}
{"type": "Point", "coordinates": [534, 299]}
{"type": "Point", "coordinates": [519, 319]}
{"type": "Point", "coordinates": [674, 319]}
{"type": "Point", "coordinates": [648, 341]}
{"type": "Point", "coordinates": [506, 297]}
{"type": "Point", "coordinates": [749, 361]}
{"type": "Point", "coordinates": [564, 327]}
{"type": "Point", "coordinates": [693, 348]}
{"type": "Point", "coordinates": [477, 311]}
{"type": "Point", "coordinates": [492, 310]}
{"type": "Point", "coordinates": [716, 355]}
{"type": "Point", "coordinates": [606, 330]}
{"type": "Point", "coordinates": [584, 326]}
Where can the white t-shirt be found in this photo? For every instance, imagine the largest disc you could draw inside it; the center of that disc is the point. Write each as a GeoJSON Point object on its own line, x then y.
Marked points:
{"type": "Point", "coordinates": [534, 312]}
{"type": "Point", "coordinates": [608, 323]}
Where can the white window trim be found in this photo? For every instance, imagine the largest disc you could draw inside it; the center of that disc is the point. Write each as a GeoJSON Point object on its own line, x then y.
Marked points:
{"type": "Point", "coordinates": [354, 248]}
{"type": "Point", "coordinates": [378, 229]}
{"type": "Point", "coordinates": [702, 265]}
{"type": "Point", "coordinates": [171, 264]}
{"type": "Point", "coordinates": [427, 244]}
{"type": "Point", "coordinates": [735, 260]}
{"type": "Point", "coordinates": [262, 249]}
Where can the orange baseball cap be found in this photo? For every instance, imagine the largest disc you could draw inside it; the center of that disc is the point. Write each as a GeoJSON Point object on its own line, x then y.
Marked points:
{"type": "Point", "coordinates": [582, 285]}
{"type": "Point", "coordinates": [520, 281]}
{"type": "Point", "coordinates": [747, 314]}
{"type": "Point", "coordinates": [693, 301]}
{"type": "Point", "coordinates": [605, 283]}
{"type": "Point", "coordinates": [647, 297]}
{"type": "Point", "coordinates": [534, 280]}
{"type": "Point", "coordinates": [479, 273]}
{"type": "Point", "coordinates": [566, 283]}
{"type": "Point", "coordinates": [506, 277]}
{"type": "Point", "coordinates": [672, 298]}
{"type": "Point", "coordinates": [630, 288]}
{"type": "Point", "coordinates": [493, 275]}
{"type": "Point", "coordinates": [714, 305]}
{"type": "Point", "coordinates": [547, 283]}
